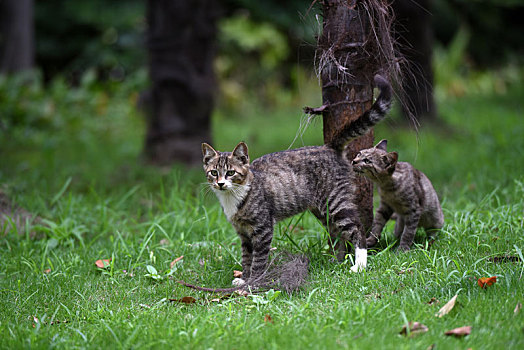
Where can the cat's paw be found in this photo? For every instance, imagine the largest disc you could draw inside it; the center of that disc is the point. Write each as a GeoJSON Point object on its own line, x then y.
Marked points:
{"type": "Point", "coordinates": [403, 248]}
{"type": "Point", "coordinates": [238, 282]}
{"type": "Point", "coordinates": [361, 258]}
{"type": "Point", "coordinates": [357, 268]}
{"type": "Point", "coordinates": [371, 241]}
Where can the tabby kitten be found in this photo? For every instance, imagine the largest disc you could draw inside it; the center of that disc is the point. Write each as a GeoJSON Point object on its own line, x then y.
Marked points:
{"type": "Point", "coordinates": [403, 190]}
{"type": "Point", "coordinates": [278, 185]}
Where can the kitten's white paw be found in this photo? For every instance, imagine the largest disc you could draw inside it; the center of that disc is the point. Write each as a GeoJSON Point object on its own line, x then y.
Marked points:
{"type": "Point", "coordinates": [361, 260]}
{"type": "Point", "coordinates": [357, 268]}
{"type": "Point", "coordinates": [238, 282]}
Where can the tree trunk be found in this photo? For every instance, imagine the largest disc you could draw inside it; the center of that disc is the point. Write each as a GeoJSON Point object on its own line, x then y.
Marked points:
{"type": "Point", "coordinates": [180, 40]}
{"type": "Point", "coordinates": [16, 36]}
{"type": "Point", "coordinates": [347, 71]}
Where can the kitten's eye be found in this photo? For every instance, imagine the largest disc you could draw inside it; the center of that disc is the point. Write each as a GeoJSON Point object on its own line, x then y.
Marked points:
{"type": "Point", "coordinates": [214, 173]}
{"type": "Point", "coordinates": [365, 160]}
{"type": "Point", "coordinates": [230, 173]}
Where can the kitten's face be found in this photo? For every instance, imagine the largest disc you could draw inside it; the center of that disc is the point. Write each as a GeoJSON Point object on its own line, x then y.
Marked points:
{"type": "Point", "coordinates": [226, 171]}
{"type": "Point", "coordinates": [376, 162]}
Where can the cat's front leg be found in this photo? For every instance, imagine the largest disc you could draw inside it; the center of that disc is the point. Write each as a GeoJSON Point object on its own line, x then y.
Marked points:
{"type": "Point", "coordinates": [410, 229]}
{"type": "Point", "coordinates": [399, 226]}
{"type": "Point", "coordinates": [262, 237]}
{"type": "Point", "coordinates": [247, 259]}
{"type": "Point", "coordinates": [382, 216]}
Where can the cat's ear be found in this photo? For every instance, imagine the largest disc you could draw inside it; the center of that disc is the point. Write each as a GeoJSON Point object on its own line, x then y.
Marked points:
{"type": "Point", "coordinates": [240, 152]}
{"type": "Point", "coordinates": [391, 161]}
{"type": "Point", "coordinates": [208, 153]}
{"type": "Point", "coordinates": [382, 145]}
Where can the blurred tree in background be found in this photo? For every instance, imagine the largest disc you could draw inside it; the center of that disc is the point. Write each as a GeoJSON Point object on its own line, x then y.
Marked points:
{"type": "Point", "coordinates": [181, 44]}
{"type": "Point", "coordinates": [16, 36]}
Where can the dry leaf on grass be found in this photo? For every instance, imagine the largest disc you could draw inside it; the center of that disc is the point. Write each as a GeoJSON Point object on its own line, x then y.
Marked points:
{"type": "Point", "coordinates": [414, 328]}
{"type": "Point", "coordinates": [103, 263]}
{"type": "Point", "coordinates": [459, 332]}
{"type": "Point", "coordinates": [35, 320]}
{"type": "Point", "coordinates": [175, 261]}
{"type": "Point", "coordinates": [237, 274]}
{"type": "Point", "coordinates": [483, 282]}
{"type": "Point", "coordinates": [504, 258]}
{"type": "Point", "coordinates": [447, 308]}
{"type": "Point", "coordinates": [268, 319]}
{"type": "Point", "coordinates": [517, 308]}
{"type": "Point", "coordinates": [185, 300]}
{"type": "Point", "coordinates": [433, 301]}
{"type": "Point", "coordinates": [46, 271]}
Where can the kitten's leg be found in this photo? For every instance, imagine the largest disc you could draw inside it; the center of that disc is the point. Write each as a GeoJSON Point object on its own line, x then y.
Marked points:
{"type": "Point", "coordinates": [410, 228]}
{"type": "Point", "coordinates": [262, 237]}
{"type": "Point", "coordinates": [345, 221]}
{"type": "Point", "coordinates": [247, 258]}
{"type": "Point", "coordinates": [399, 226]}
{"type": "Point", "coordinates": [382, 216]}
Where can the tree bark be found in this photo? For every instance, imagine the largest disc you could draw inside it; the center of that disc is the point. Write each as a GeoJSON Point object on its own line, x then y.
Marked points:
{"type": "Point", "coordinates": [180, 40]}
{"type": "Point", "coordinates": [347, 72]}
{"type": "Point", "coordinates": [16, 36]}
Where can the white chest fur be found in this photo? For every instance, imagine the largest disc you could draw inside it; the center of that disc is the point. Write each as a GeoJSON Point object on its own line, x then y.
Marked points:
{"type": "Point", "coordinates": [229, 200]}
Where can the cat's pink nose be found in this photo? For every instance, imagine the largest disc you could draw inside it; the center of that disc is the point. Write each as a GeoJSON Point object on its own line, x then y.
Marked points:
{"type": "Point", "coordinates": [220, 184]}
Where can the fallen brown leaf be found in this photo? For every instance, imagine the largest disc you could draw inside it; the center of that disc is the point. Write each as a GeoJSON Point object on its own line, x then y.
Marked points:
{"type": "Point", "coordinates": [237, 274]}
{"type": "Point", "coordinates": [35, 320]}
{"type": "Point", "coordinates": [447, 308]}
{"type": "Point", "coordinates": [517, 308]}
{"type": "Point", "coordinates": [483, 282]}
{"type": "Point", "coordinates": [459, 332]}
{"type": "Point", "coordinates": [185, 300]}
{"type": "Point", "coordinates": [414, 328]}
{"type": "Point", "coordinates": [433, 301]}
{"type": "Point", "coordinates": [175, 261]}
{"type": "Point", "coordinates": [241, 292]}
{"type": "Point", "coordinates": [46, 271]}
{"type": "Point", "coordinates": [504, 258]}
{"type": "Point", "coordinates": [103, 263]}
{"type": "Point", "coordinates": [268, 319]}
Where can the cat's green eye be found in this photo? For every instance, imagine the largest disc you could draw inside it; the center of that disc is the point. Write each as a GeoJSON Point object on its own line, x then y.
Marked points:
{"type": "Point", "coordinates": [230, 173]}
{"type": "Point", "coordinates": [213, 173]}
{"type": "Point", "coordinates": [365, 160]}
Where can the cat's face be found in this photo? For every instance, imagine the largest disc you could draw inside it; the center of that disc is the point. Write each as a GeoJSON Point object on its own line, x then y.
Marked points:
{"type": "Point", "coordinates": [376, 162]}
{"type": "Point", "coordinates": [226, 171]}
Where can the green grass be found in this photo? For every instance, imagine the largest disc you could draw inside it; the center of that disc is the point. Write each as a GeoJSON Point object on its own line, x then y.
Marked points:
{"type": "Point", "coordinates": [73, 158]}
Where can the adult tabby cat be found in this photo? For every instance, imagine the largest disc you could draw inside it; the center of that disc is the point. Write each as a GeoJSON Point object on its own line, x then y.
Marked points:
{"type": "Point", "coordinates": [278, 185]}
{"type": "Point", "coordinates": [403, 190]}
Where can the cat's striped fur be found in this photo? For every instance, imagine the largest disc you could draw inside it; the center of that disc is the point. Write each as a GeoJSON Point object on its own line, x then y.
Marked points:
{"type": "Point", "coordinates": [278, 185]}
{"type": "Point", "coordinates": [403, 190]}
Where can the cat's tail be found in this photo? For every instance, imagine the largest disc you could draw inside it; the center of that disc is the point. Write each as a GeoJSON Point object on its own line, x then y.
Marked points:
{"type": "Point", "coordinates": [375, 114]}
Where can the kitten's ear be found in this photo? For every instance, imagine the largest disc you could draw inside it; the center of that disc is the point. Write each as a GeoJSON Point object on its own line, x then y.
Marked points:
{"type": "Point", "coordinates": [382, 145]}
{"type": "Point", "coordinates": [208, 153]}
{"type": "Point", "coordinates": [394, 157]}
{"type": "Point", "coordinates": [391, 161]}
{"type": "Point", "coordinates": [241, 153]}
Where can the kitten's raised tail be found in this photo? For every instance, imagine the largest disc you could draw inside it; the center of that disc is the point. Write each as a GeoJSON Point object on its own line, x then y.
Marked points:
{"type": "Point", "coordinates": [362, 124]}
